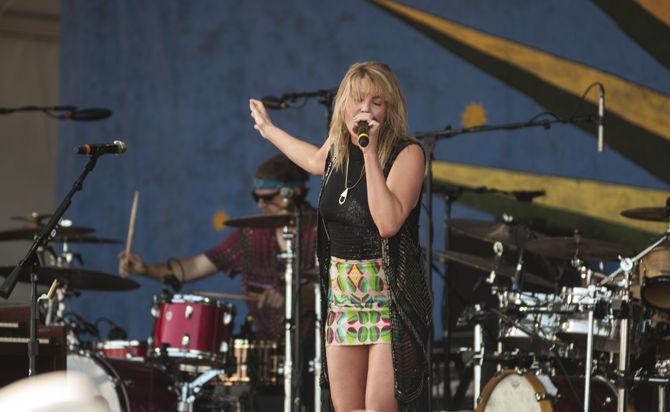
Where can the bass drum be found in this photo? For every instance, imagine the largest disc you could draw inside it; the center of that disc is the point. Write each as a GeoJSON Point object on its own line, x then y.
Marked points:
{"type": "Point", "coordinates": [532, 392]}
{"type": "Point", "coordinates": [126, 385]}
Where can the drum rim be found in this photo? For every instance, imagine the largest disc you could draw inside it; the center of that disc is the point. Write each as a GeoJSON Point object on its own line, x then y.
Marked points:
{"type": "Point", "coordinates": [117, 382]}
{"type": "Point", "coordinates": [538, 387]}
{"type": "Point", "coordinates": [121, 344]}
{"type": "Point", "coordinates": [661, 279]}
{"type": "Point", "coordinates": [178, 353]}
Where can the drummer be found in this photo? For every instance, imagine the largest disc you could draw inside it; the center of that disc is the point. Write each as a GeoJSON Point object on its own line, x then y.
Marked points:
{"type": "Point", "coordinates": [251, 252]}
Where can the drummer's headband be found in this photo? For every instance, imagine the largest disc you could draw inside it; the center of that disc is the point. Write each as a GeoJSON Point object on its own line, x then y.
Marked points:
{"type": "Point", "coordinates": [276, 184]}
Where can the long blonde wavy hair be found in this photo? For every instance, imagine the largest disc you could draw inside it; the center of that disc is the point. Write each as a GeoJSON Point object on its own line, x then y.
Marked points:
{"type": "Point", "coordinates": [361, 78]}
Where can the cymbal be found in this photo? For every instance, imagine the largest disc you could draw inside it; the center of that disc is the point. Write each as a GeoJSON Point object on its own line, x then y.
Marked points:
{"type": "Point", "coordinates": [487, 265]}
{"type": "Point", "coordinates": [29, 233]}
{"type": "Point", "coordinates": [654, 214]}
{"type": "Point", "coordinates": [223, 295]}
{"type": "Point", "coordinates": [91, 239]}
{"type": "Point", "coordinates": [33, 218]}
{"type": "Point", "coordinates": [511, 234]}
{"type": "Point", "coordinates": [77, 278]}
{"type": "Point", "coordinates": [583, 248]}
{"type": "Point", "coordinates": [453, 190]}
{"type": "Point", "coordinates": [280, 219]}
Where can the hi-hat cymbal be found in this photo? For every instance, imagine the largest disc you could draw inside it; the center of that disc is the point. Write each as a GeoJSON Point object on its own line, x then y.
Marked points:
{"type": "Point", "coordinates": [29, 233]}
{"type": "Point", "coordinates": [307, 218]}
{"type": "Point", "coordinates": [91, 239]}
{"type": "Point", "coordinates": [653, 214]}
{"type": "Point", "coordinates": [33, 218]}
{"type": "Point", "coordinates": [511, 234]}
{"type": "Point", "coordinates": [488, 265]}
{"type": "Point", "coordinates": [77, 278]}
{"type": "Point", "coordinates": [571, 247]}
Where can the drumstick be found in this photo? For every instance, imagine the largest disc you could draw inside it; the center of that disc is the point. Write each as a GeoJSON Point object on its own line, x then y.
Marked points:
{"type": "Point", "coordinates": [131, 226]}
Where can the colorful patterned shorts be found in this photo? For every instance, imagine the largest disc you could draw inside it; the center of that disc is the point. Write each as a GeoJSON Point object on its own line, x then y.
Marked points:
{"type": "Point", "coordinates": [358, 309]}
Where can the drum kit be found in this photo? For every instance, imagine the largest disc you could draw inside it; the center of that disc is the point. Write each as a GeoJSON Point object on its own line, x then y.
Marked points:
{"type": "Point", "coordinates": [593, 345]}
{"type": "Point", "coordinates": [193, 360]}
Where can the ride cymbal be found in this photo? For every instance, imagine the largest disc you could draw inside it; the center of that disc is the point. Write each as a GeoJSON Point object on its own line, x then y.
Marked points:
{"type": "Point", "coordinates": [307, 218]}
{"type": "Point", "coordinates": [511, 234]}
{"type": "Point", "coordinates": [571, 247]}
{"type": "Point", "coordinates": [500, 267]}
{"type": "Point", "coordinates": [654, 214]}
{"type": "Point", "coordinates": [76, 278]}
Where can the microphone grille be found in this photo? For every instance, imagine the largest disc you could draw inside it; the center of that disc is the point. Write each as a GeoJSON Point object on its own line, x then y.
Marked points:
{"type": "Point", "coordinates": [121, 145]}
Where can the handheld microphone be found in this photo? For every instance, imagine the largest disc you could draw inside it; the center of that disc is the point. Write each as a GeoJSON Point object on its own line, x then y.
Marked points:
{"type": "Point", "coordinates": [274, 103]}
{"type": "Point", "coordinates": [601, 115]}
{"type": "Point", "coordinates": [116, 147]}
{"type": "Point", "coordinates": [362, 133]}
{"type": "Point", "coordinates": [86, 115]}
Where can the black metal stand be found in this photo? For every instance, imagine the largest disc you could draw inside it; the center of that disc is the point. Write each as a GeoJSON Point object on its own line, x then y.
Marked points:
{"type": "Point", "coordinates": [31, 261]}
{"type": "Point", "coordinates": [326, 97]}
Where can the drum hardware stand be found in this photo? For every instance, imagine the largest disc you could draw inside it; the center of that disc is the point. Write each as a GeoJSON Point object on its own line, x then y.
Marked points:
{"type": "Point", "coordinates": [589, 350]}
{"type": "Point", "coordinates": [189, 390]}
{"type": "Point", "coordinates": [317, 349]}
{"type": "Point", "coordinates": [478, 355]}
{"type": "Point", "coordinates": [289, 256]}
{"type": "Point", "coordinates": [30, 263]}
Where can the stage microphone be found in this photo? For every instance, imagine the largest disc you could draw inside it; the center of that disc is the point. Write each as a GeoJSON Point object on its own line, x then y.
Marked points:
{"type": "Point", "coordinates": [362, 133]}
{"type": "Point", "coordinates": [274, 103]}
{"type": "Point", "coordinates": [601, 115]}
{"type": "Point", "coordinates": [117, 147]}
{"type": "Point", "coordinates": [86, 115]}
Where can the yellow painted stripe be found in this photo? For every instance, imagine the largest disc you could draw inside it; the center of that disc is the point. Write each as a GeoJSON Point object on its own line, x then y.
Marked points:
{"type": "Point", "coordinates": [657, 8]}
{"type": "Point", "coordinates": [636, 104]}
{"type": "Point", "coordinates": [590, 198]}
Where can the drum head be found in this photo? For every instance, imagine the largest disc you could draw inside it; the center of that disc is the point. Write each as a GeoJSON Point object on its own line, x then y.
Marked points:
{"type": "Point", "coordinates": [511, 391]}
{"type": "Point", "coordinates": [102, 377]}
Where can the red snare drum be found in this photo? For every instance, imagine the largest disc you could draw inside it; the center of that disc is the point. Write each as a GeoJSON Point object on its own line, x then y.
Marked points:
{"type": "Point", "coordinates": [193, 327]}
{"type": "Point", "coordinates": [133, 350]}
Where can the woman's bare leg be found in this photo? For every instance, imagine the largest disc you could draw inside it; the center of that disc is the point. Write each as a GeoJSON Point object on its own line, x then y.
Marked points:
{"type": "Point", "coordinates": [380, 390]}
{"type": "Point", "coordinates": [347, 373]}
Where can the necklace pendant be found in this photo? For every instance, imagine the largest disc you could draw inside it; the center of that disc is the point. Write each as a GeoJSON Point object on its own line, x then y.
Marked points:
{"type": "Point", "coordinates": [343, 196]}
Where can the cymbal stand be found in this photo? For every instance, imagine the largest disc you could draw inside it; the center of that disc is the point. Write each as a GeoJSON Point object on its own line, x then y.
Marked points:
{"type": "Point", "coordinates": [288, 256]}
{"type": "Point", "coordinates": [589, 348]}
{"type": "Point", "coordinates": [317, 347]}
{"type": "Point", "coordinates": [628, 263]}
{"type": "Point", "coordinates": [622, 402]}
{"type": "Point", "coordinates": [478, 356]}
{"type": "Point", "coordinates": [189, 390]}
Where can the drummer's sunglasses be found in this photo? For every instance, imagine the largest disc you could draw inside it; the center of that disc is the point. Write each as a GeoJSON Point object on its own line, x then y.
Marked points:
{"type": "Point", "coordinates": [266, 198]}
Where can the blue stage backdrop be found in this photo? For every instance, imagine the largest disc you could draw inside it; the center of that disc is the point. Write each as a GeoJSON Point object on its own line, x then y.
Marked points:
{"type": "Point", "coordinates": [178, 76]}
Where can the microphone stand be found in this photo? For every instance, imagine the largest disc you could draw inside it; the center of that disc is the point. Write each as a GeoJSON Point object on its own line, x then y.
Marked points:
{"type": "Point", "coordinates": [45, 109]}
{"type": "Point", "coordinates": [30, 264]}
{"type": "Point", "coordinates": [291, 383]}
{"type": "Point", "coordinates": [430, 139]}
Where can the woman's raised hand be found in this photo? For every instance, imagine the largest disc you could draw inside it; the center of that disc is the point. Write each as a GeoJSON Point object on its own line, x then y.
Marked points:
{"type": "Point", "coordinates": [261, 117]}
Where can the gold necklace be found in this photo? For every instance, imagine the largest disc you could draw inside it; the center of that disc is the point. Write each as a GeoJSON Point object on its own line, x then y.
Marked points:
{"type": "Point", "coordinates": [345, 192]}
